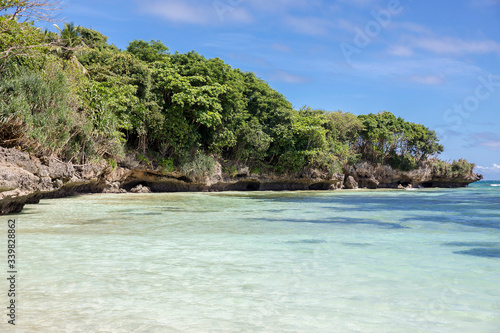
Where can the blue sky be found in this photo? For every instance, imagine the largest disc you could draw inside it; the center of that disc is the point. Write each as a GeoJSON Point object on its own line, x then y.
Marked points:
{"type": "Point", "coordinates": [430, 62]}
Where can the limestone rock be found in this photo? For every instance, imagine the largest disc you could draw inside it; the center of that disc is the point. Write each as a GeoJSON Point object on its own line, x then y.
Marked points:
{"type": "Point", "coordinates": [335, 186]}
{"type": "Point", "coordinates": [114, 188]}
{"type": "Point", "coordinates": [118, 174]}
{"type": "Point", "coordinates": [58, 169]}
{"type": "Point", "coordinates": [350, 183]}
{"type": "Point", "coordinates": [243, 171]}
{"type": "Point", "coordinates": [140, 189]}
{"type": "Point", "coordinates": [25, 179]}
{"type": "Point", "coordinates": [15, 177]}
{"type": "Point", "coordinates": [216, 176]}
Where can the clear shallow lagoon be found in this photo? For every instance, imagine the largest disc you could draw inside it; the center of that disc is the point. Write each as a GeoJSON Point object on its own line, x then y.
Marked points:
{"type": "Point", "coordinates": [344, 261]}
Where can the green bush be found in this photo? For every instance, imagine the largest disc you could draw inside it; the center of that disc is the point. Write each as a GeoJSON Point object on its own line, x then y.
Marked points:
{"type": "Point", "coordinates": [200, 166]}
{"type": "Point", "coordinates": [293, 161]}
{"type": "Point", "coordinates": [255, 170]}
{"type": "Point", "coordinates": [47, 107]}
{"type": "Point", "coordinates": [456, 169]}
{"type": "Point", "coordinates": [143, 158]}
{"type": "Point", "coordinates": [167, 164]}
{"type": "Point", "coordinates": [403, 163]}
{"type": "Point", "coordinates": [353, 159]}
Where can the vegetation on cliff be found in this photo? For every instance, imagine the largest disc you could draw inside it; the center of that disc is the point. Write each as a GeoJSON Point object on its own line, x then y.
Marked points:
{"type": "Point", "coordinates": [74, 95]}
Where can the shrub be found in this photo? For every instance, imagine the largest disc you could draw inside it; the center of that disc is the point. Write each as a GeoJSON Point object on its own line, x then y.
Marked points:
{"type": "Point", "coordinates": [167, 164]}
{"type": "Point", "coordinates": [200, 166]}
{"type": "Point", "coordinates": [143, 158]}
{"type": "Point", "coordinates": [403, 163]}
{"type": "Point", "coordinates": [456, 169]}
{"type": "Point", "coordinates": [47, 107]}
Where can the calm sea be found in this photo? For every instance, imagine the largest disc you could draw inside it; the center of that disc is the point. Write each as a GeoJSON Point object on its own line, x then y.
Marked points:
{"type": "Point", "coordinates": [344, 261]}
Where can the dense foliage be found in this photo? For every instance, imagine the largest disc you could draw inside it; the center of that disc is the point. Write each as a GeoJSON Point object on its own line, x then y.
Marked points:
{"type": "Point", "coordinates": [456, 169]}
{"type": "Point", "coordinates": [74, 95]}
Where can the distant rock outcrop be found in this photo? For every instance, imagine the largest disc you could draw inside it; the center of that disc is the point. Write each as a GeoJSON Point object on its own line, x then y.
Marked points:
{"type": "Point", "coordinates": [383, 176]}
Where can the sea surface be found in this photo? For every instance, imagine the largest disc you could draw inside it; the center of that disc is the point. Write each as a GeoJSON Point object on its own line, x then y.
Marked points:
{"type": "Point", "coordinates": [342, 261]}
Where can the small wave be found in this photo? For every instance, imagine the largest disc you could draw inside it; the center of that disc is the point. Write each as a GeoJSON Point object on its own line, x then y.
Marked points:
{"type": "Point", "coordinates": [495, 185]}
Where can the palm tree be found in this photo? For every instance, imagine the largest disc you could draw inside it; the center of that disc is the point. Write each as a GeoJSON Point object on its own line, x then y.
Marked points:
{"type": "Point", "coordinates": [69, 43]}
{"type": "Point", "coordinates": [69, 40]}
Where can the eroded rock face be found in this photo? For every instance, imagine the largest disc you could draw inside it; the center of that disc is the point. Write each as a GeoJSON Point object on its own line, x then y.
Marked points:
{"type": "Point", "coordinates": [25, 179]}
{"type": "Point", "coordinates": [350, 183]}
{"type": "Point", "coordinates": [383, 176]}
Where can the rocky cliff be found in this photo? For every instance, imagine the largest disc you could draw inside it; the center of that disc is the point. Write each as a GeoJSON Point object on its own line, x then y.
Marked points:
{"type": "Point", "coordinates": [25, 179]}
{"type": "Point", "coordinates": [383, 176]}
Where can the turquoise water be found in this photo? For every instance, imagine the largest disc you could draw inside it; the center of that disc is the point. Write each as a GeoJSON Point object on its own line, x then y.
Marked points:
{"type": "Point", "coordinates": [343, 261]}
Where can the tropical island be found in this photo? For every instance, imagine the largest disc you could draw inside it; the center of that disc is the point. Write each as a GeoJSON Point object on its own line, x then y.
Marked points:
{"type": "Point", "coordinates": [79, 115]}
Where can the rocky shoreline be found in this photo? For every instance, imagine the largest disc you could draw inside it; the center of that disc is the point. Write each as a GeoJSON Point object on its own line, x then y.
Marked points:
{"type": "Point", "coordinates": [25, 179]}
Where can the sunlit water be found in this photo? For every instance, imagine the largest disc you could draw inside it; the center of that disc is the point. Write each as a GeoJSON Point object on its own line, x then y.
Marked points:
{"type": "Point", "coordinates": [343, 261]}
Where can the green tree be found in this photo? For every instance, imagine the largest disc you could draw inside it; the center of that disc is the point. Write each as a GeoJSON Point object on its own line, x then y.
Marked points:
{"type": "Point", "coordinates": [19, 40]}
{"type": "Point", "coordinates": [148, 52]}
{"type": "Point", "coordinates": [387, 139]}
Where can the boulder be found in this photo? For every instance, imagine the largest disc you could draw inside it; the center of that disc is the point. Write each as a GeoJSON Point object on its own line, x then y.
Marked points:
{"type": "Point", "coordinates": [370, 183]}
{"type": "Point", "coordinates": [114, 188]}
{"type": "Point", "coordinates": [350, 183]}
{"type": "Point", "coordinates": [60, 170]}
{"type": "Point", "coordinates": [141, 189]}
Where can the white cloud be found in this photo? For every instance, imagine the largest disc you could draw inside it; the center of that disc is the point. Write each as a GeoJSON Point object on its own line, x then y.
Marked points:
{"type": "Point", "coordinates": [444, 46]}
{"type": "Point", "coordinates": [427, 79]}
{"type": "Point", "coordinates": [489, 172]}
{"type": "Point", "coordinates": [309, 25]}
{"type": "Point", "coordinates": [412, 27]}
{"type": "Point", "coordinates": [401, 51]}
{"type": "Point", "coordinates": [494, 168]}
{"type": "Point", "coordinates": [485, 139]}
{"type": "Point", "coordinates": [287, 77]}
{"type": "Point", "coordinates": [407, 68]}
{"type": "Point", "coordinates": [77, 9]}
{"type": "Point", "coordinates": [195, 12]}
{"type": "Point", "coordinates": [281, 47]}
{"type": "Point", "coordinates": [345, 24]}
{"type": "Point", "coordinates": [361, 3]}
{"type": "Point", "coordinates": [491, 144]}
{"type": "Point", "coordinates": [279, 5]}
{"type": "Point", "coordinates": [457, 46]}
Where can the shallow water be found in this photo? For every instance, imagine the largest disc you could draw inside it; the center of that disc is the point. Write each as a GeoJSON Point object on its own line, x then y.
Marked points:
{"type": "Point", "coordinates": [344, 261]}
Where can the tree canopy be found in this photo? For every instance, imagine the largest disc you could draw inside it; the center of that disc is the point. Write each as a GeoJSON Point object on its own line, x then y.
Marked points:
{"type": "Point", "coordinates": [93, 100]}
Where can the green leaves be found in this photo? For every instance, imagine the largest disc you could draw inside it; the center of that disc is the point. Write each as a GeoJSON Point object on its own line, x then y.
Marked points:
{"type": "Point", "coordinates": [18, 40]}
{"type": "Point", "coordinates": [148, 52]}
{"type": "Point", "coordinates": [183, 108]}
{"type": "Point", "coordinates": [455, 169]}
{"type": "Point", "coordinates": [387, 139]}
{"type": "Point", "coordinates": [111, 99]}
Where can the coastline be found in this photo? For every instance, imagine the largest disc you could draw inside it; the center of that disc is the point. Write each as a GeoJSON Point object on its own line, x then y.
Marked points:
{"type": "Point", "coordinates": [25, 179]}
